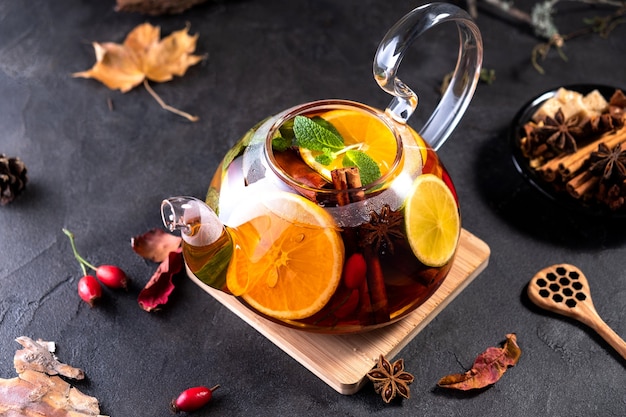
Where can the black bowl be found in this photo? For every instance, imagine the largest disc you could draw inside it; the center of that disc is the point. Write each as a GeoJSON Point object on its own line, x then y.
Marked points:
{"type": "Point", "coordinates": [560, 197]}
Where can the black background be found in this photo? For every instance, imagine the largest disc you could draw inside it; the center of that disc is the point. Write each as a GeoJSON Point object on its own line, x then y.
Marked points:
{"type": "Point", "coordinates": [103, 172]}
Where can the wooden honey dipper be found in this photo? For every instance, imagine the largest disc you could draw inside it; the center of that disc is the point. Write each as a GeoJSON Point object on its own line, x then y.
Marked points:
{"type": "Point", "coordinates": [564, 289]}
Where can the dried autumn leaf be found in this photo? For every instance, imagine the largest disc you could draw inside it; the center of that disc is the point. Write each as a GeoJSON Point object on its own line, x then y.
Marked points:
{"type": "Point", "coordinates": [155, 245]}
{"type": "Point", "coordinates": [488, 367]}
{"type": "Point", "coordinates": [143, 56]}
{"type": "Point", "coordinates": [157, 291]}
{"type": "Point", "coordinates": [38, 391]}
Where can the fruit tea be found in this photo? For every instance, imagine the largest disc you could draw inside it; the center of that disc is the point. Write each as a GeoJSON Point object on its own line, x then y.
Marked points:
{"type": "Point", "coordinates": [360, 190]}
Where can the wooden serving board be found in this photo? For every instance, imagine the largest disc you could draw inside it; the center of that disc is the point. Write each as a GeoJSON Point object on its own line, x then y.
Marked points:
{"type": "Point", "coordinates": [342, 361]}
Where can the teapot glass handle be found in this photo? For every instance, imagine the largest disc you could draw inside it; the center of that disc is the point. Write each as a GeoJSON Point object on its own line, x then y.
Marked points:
{"type": "Point", "coordinates": [462, 84]}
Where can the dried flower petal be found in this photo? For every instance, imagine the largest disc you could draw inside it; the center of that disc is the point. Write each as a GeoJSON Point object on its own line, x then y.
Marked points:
{"type": "Point", "coordinates": [155, 245]}
{"type": "Point", "coordinates": [488, 367]}
{"type": "Point", "coordinates": [156, 293]}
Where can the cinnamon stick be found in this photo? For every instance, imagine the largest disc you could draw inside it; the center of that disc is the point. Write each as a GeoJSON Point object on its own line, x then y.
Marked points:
{"type": "Point", "coordinates": [377, 302]}
{"type": "Point", "coordinates": [354, 184]}
{"type": "Point", "coordinates": [573, 162]}
{"type": "Point", "coordinates": [347, 180]}
{"type": "Point", "coordinates": [340, 182]}
{"type": "Point", "coordinates": [373, 292]}
{"type": "Point", "coordinates": [376, 285]}
{"type": "Point", "coordinates": [566, 166]}
{"type": "Point", "coordinates": [581, 184]}
{"type": "Point", "coordinates": [365, 308]}
{"type": "Point", "coordinates": [550, 170]}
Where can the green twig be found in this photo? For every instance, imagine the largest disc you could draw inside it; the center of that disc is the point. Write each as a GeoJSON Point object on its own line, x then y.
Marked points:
{"type": "Point", "coordinates": [82, 261]}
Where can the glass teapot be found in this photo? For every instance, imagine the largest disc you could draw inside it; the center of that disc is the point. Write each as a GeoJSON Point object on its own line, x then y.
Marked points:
{"type": "Point", "coordinates": [333, 216]}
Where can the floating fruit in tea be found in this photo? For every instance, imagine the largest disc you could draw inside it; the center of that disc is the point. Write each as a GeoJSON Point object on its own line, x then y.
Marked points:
{"type": "Point", "coordinates": [432, 220]}
{"type": "Point", "coordinates": [361, 134]}
{"type": "Point", "coordinates": [288, 256]}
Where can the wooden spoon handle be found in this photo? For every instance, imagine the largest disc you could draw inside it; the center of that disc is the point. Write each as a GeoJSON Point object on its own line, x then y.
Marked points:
{"type": "Point", "coordinates": [608, 334]}
{"type": "Point", "coordinates": [613, 339]}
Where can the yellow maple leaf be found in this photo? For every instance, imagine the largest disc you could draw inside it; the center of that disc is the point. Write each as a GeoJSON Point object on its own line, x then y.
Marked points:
{"type": "Point", "coordinates": [143, 56]}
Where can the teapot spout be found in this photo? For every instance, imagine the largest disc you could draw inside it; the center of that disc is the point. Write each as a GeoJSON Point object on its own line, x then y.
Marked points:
{"type": "Point", "coordinates": [207, 245]}
{"type": "Point", "coordinates": [197, 223]}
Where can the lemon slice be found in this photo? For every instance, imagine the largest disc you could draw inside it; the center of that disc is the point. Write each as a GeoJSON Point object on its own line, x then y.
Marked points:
{"type": "Point", "coordinates": [433, 223]}
{"type": "Point", "coordinates": [288, 257]}
{"type": "Point", "coordinates": [360, 131]}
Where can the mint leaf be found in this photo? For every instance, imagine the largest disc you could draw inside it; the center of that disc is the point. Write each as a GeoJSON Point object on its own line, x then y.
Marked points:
{"type": "Point", "coordinates": [286, 130]}
{"type": "Point", "coordinates": [311, 135]}
{"type": "Point", "coordinates": [325, 158]}
{"type": "Point", "coordinates": [326, 125]}
{"type": "Point", "coordinates": [368, 168]}
{"type": "Point", "coordinates": [280, 144]}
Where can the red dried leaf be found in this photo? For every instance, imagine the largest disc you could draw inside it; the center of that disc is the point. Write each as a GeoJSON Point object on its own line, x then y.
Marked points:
{"type": "Point", "coordinates": [158, 289]}
{"type": "Point", "coordinates": [488, 367]}
{"type": "Point", "coordinates": [155, 245]}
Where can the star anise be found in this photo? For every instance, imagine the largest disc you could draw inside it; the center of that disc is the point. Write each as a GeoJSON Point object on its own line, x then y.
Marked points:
{"type": "Point", "coordinates": [561, 132]}
{"type": "Point", "coordinates": [617, 108]}
{"type": "Point", "coordinates": [390, 380]}
{"type": "Point", "coordinates": [611, 195]}
{"type": "Point", "coordinates": [382, 229]}
{"type": "Point", "coordinates": [609, 163]}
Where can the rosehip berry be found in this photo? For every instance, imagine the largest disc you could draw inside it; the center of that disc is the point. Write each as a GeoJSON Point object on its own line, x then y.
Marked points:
{"type": "Point", "coordinates": [109, 275]}
{"type": "Point", "coordinates": [192, 399]}
{"type": "Point", "coordinates": [112, 276]}
{"type": "Point", "coordinates": [89, 289]}
{"type": "Point", "coordinates": [354, 271]}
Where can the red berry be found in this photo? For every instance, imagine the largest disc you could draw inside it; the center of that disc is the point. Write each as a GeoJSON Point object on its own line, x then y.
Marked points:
{"type": "Point", "coordinates": [89, 289]}
{"type": "Point", "coordinates": [192, 399]}
{"type": "Point", "coordinates": [112, 276]}
{"type": "Point", "coordinates": [109, 275]}
{"type": "Point", "coordinates": [354, 271]}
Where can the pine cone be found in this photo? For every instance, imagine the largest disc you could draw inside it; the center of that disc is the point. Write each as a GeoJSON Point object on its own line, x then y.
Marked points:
{"type": "Point", "coordinates": [12, 178]}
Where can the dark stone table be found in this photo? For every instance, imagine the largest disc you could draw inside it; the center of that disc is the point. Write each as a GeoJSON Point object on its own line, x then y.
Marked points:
{"type": "Point", "coordinates": [100, 162]}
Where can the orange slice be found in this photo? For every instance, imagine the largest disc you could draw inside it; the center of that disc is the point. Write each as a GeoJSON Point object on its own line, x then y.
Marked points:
{"type": "Point", "coordinates": [365, 132]}
{"type": "Point", "coordinates": [433, 223]}
{"type": "Point", "coordinates": [288, 256]}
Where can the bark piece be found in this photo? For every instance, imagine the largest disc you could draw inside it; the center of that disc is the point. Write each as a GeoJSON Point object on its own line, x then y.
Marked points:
{"type": "Point", "coordinates": [38, 390]}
